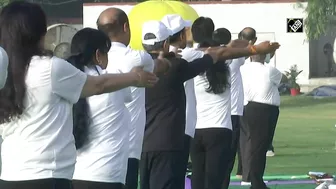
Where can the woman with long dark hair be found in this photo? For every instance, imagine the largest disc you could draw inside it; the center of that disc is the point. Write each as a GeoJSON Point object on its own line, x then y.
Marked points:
{"type": "Point", "coordinates": [101, 134]}
{"type": "Point", "coordinates": [210, 149]}
{"type": "Point", "coordinates": [38, 150]}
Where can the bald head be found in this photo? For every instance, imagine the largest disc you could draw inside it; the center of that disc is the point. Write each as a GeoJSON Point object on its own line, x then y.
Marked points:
{"type": "Point", "coordinates": [112, 22]}
{"type": "Point", "coordinates": [248, 34]}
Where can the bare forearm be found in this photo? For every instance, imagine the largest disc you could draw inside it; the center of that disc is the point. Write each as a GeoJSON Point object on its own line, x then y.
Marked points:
{"type": "Point", "coordinates": [233, 53]}
{"type": "Point", "coordinates": [107, 83]}
{"type": "Point", "coordinates": [238, 43]}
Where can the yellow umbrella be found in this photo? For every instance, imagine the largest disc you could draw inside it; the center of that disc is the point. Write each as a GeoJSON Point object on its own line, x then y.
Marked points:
{"type": "Point", "coordinates": [155, 10]}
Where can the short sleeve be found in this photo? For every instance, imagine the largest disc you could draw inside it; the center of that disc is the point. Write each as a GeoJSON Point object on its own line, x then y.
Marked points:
{"type": "Point", "coordinates": [275, 75]}
{"type": "Point", "coordinates": [3, 67]}
{"type": "Point", "coordinates": [66, 80]}
{"type": "Point", "coordinates": [190, 54]}
{"type": "Point", "coordinates": [135, 58]}
{"type": "Point", "coordinates": [236, 64]}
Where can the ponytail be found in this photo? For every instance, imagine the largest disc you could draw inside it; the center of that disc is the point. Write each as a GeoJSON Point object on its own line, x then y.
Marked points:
{"type": "Point", "coordinates": [80, 110]}
{"type": "Point", "coordinates": [218, 74]}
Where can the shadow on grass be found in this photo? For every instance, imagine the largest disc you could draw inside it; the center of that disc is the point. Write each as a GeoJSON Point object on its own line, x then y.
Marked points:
{"type": "Point", "coordinates": [304, 101]}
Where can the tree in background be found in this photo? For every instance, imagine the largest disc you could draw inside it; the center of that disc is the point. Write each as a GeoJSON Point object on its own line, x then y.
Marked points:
{"type": "Point", "coordinates": [321, 15]}
{"type": "Point", "coordinates": [4, 2]}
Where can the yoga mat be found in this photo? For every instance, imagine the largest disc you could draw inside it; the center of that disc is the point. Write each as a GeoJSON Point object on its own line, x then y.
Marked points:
{"type": "Point", "coordinates": [282, 182]}
{"type": "Point", "coordinates": [276, 182]}
{"type": "Point", "coordinates": [278, 177]}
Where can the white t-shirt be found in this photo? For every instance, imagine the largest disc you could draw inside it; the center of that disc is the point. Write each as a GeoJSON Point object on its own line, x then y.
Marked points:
{"type": "Point", "coordinates": [123, 59]}
{"type": "Point", "coordinates": [261, 83]}
{"type": "Point", "coordinates": [3, 68]}
{"type": "Point", "coordinates": [213, 110]}
{"type": "Point", "coordinates": [103, 158]}
{"type": "Point", "coordinates": [190, 54]}
{"type": "Point", "coordinates": [237, 90]}
{"type": "Point", "coordinates": [40, 143]}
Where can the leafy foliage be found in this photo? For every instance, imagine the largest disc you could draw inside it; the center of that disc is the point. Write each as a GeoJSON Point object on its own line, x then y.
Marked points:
{"type": "Point", "coordinates": [292, 75]}
{"type": "Point", "coordinates": [4, 2]}
{"type": "Point", "coordinates": [320, 15]}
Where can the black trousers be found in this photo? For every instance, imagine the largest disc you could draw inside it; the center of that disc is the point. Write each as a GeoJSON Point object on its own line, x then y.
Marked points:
{"type": "Point", "coordinates": [210, 154]}
{"type": "Point", "coordinates": [162, 170]}
{"type": "Point", "coordinates": [234, 146]}
{"type": "Point", "coordinates": [187, 141]}
{"type": "Point", "coordinates": [132, 173]}
{"type": "Point", "coordinates": [51, 183]}
{"type": "Point", "coordinates": [82, 184]}
{"type": "Point", "coordinates": [260, 121]}
{"type": "Point", "coordinates": [239, 158]}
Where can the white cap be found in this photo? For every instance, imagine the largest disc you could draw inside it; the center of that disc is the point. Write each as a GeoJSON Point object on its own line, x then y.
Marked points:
{"type": "Point", "coordinates": [175, 22]}
{"type": "Point", "coordinates": [157, 28]}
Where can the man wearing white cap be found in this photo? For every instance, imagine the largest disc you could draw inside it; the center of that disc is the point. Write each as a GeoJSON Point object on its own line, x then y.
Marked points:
{"type": "Point", "coordinates": [179, 41]}
{"type": "Point", "coordinates": [162, 164]}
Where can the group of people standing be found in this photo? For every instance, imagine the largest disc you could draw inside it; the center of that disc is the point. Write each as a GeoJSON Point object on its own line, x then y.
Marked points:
{"type": "Point", "coordinates": [108, 113]}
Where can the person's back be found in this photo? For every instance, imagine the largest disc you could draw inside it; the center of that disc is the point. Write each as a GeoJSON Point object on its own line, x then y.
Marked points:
{"type": "Point", "coordinates": [165, 109]}
{"type": "Point", "coordinates": [261, 83]}
{"type": "Point", "coordinates": [212, 109]}
{"type": "Point", "coordinates": [39, 132]}
{"type": "Point", "coordinates": [101, 157]}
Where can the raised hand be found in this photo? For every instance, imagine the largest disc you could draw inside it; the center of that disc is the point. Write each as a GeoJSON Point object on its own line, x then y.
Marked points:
{"type": "Point", "coordinates": [143, 78]}
{"type": "Point", "coordinates": [266, 47]}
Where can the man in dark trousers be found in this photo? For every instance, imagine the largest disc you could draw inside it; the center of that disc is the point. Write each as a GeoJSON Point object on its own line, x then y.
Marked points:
{"type": "Point", "coordinates": [163, 154]}
{"type": "Point", "coordinates": [114, 23]}
{"type": "Point", "coordinates": [261, 113]}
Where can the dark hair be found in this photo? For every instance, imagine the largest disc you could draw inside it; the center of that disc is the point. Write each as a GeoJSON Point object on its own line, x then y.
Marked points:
{"type": "Point", "coordinates": [156, 47]}
{"type": "Point", "coordinates": [22, 26]}
{"type": "Point", "coordinates": [222, 36]}
{"type": "Point", "coordinates": [218, 74]}
{"type": "Point", "coordinates": [240, 35]}
{"type": "Point", "coordinates": [117, 26]}
{"type": "Point", "coordinates": [248, 33]}
{"type": "Point", "coordinates": [176, 37]}
{"type": "Point", "coordinates": [202, 29]}
{"type": "Point", "coordinates": [84, 45]}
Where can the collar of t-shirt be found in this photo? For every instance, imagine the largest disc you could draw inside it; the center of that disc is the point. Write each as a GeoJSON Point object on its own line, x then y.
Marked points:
{"type": "Point", "coordinates": [118, 44]}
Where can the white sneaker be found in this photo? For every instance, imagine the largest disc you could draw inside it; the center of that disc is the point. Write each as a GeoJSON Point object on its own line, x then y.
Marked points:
{"type": "Point", "coordinates": [270, 153]}
{"type": "Point", "coordinates": [242, 183]}
{"type": "Point", "coordinates": [245, 183]}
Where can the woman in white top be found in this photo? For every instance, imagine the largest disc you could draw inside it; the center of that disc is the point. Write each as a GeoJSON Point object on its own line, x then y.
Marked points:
{"type": "Point", "coordinates": [211, 147]}
{"type": "Point", "coordinates": [101, 134]}
{"type": "Point", "coordinates": [38, 150]}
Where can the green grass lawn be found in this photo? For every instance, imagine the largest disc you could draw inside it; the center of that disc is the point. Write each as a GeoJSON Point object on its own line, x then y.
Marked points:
{"type": "Point", "coordinates": [305, 138]}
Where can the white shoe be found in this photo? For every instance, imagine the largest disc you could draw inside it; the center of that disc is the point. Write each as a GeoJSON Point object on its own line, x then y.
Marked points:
{"type": "Point", "coordinates": [270, 153]}
{"type": "Point", "coordinates": [245, 183]}
{"type": "Point", "coordinates": [242, 183]}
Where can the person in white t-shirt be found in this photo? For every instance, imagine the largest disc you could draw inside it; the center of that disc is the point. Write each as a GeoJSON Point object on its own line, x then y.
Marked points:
{"type": "Point", "coordinates": [114, 23]}
{"type": "Point", "coordinates": [211, 146]}
{"type": "Point", "coordinates": [99, 128]}
{"type": "Point", "coordinates": [249, 34]}
{"type": "Point", "coordinates": [3, 67]}
{"type": "Point", "coordinates": [38, 150]}
{"type": "Point", "coordinates": [261, 113]}
{"type": "Point", "coordinates": [223, 36]}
